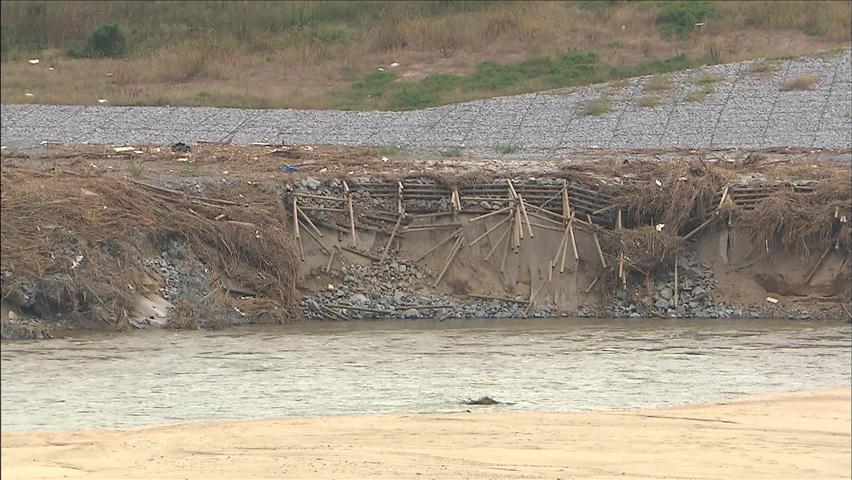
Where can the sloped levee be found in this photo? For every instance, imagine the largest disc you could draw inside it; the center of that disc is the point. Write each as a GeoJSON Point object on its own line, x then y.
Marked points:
{"type": "Point", "coordinates": [681, 239]}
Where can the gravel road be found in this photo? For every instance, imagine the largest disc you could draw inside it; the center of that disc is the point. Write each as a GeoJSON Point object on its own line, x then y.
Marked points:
{"type": "Point", "coordinates": [747, 109]}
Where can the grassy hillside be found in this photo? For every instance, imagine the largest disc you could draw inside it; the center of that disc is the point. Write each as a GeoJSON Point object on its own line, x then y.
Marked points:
{"type": "Point", "coordinates": [341, 54]}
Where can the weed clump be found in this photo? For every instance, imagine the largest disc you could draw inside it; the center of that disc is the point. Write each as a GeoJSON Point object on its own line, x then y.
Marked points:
{"type": "Point", "coordinates": [802, 82]}
{"type": "Point", "coordinates": [678, 19]}
{"type": "Point", "coordinates": [598, 106]}
{"type": "Point", "coordinates": [106, 40]}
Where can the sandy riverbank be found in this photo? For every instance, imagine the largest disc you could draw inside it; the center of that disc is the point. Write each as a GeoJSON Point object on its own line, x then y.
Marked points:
{"type": "Point", "coordinates": [793, 436]}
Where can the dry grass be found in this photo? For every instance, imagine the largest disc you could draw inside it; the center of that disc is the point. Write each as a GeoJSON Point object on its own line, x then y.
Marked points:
{"type": "Point", "coordinates": [257, 59]}
{"type": "Point", "coordinates": [658, 83]}
{"type": "Point", "coordinates": [110, 224]}
{"type": "Point", "coordinates": [598, 106]}
{"type": "Point", "coordinates": [649, 101]}
{"type": "Point", "coordinates": [762, 67]}
{"type": "Point", "coordinates": [801, 82]}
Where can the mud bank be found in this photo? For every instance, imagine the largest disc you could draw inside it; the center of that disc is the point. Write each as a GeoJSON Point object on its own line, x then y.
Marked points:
{"type": "Point", "coordinates": [169, 239]}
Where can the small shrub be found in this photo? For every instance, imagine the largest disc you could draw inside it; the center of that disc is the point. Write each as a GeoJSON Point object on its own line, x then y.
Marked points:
{"type": "Point", "coordinates": [762, 67]}
{"type": "Point", "coordinates": [815, 31]}
{"type": "Point", "coordinates": [802, 82]}
{"type": "Point", "coordinates": [508, 149]}
{"type": "Point", "coordinates": [450, 152]}
{"type": "Point", "coordinates": [388, 150]}
{"type": "Point", "coordinates": [106, 40]}
{"type": "Point", "coordinates": [598, 106]}
{"type": "Point", "coordinates": [677, 19]}
{"type": "Point", "coordinates": [658, 83]}
{"type": "Point", "coordinates": [649, 101]}
{"type": "Point", "coordinates": [135, 168]}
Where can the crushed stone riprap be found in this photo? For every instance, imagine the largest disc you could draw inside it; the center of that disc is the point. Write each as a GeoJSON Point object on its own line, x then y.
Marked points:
{"type": "Point", "coordinates": [732, 105]}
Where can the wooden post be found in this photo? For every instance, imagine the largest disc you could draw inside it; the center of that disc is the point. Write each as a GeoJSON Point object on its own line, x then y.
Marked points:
{"type": "Point", "coordinates": [452, 236]}
{"type": "Point", "coordinates": [449, 260]}
{"type": "Point", "coordinates": [399, 209]}
{"type": "Point", "coordinates": [316, 239]}
{"type": "Point", "coordinates": [296, 229]}
{"type": "Point", "coordinates": [573, 240]}
{"type": "Point", "coordinates": [486, 215]}
{"type": "Point", "coordinates": [620, 226]}
{"type": "Point", "coordinates": [508, 247]}
{"type": "Point", "coordinates": [597, 242]}
{"type": "Point", "coordinates": [816, 266]}
{"type": "Point", "coordinates": [310, 222]}
{"type": "Point", "coordinates": [675, 279]}
{"type": "Point", "coordinates": [392, 235]}
{"type": "Point", "coordinates": [566, 208]}
{"type": "Point", "coordinates": [499, 241]}
{"type": "Point", "coordinates": [561, 248]}
{"type": "Point", "coordinates": [351, 214]}
{"type": "Point", "coordinates": [489, 230]}
{"type": "Point", "coordinates": [526, 218]}
{"type": "Point", "coordinates": [330, 259]}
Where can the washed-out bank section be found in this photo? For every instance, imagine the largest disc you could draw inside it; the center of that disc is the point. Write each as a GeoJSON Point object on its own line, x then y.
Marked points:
{"type": "Point", "coordinates": [610, 239]}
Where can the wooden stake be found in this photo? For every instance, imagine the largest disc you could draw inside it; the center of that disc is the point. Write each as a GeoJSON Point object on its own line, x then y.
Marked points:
{"type": "Point", "coordinates": [499, 241]}
{"type": "Point", "coordinates": [621, 275]}
{"type": "Point", "coordinates": [518, 235]}
{"type": "Point", "coordinates": [392, 235]}
{"type": "Point", "coordinates": [526, 218]}
{"type": "Point", "coordinates": [561, 248]}
{"type": "Point", "coordinates": [296, 229]}
{"type": "Point", "coordinates": [566, 208]}
{"type": "Point", "coordinates": [597, 242]}
{"type": "Point", "coordinates": [486, 215]}
{"type": "Point", "coordinates": [310, 222]}
{"type": "Point", "coordinates": [399, 208]}
{"type": "Point", "coordinates": [698, 228]}
{"type": "Point", "coordinates": [351, 214]}
{"type": "Point", "coordinates": [816, 266]}
{"type": "Point", "coordinates": [675, 279]}
{"type": "Point", "coordinates": [359, 252]}
{"type": "Point", "coordinates": [573, 240]}
{"type": "Point", "coordinates": [452, 236]}
{"type": "Point", "coordinates": [449, 260]}
{"type": "Point", "coordinates": [319, 197]}
{"type": "Point", "coordinates": [489, 230]}
{"type": "Point", "coordinates": [508, 247]}
{"type": "Point", "coordinates": [535, 296]}
{"type": "Point", "coordinates": [316, 239]}
{"type": "Point", "coordinates": [330, 259]}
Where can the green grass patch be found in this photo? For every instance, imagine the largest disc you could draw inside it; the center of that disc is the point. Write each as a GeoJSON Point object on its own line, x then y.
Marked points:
{"type": "Point", "coordinates": [389, 150]}
{"type": "Point", "coordinates": [707, 78]}
{"type": "Point", "coordinates": [508, 149]}
{"type": "Point", "coordinates": [450, 152]}
{"type": "Point", "coordinates": [678, 19]}
{"type": "Point", "coordinates": [384, 90]}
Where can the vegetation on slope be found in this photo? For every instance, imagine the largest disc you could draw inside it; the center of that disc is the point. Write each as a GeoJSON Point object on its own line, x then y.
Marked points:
{"type": "Point", "coordinates": [328, 54]}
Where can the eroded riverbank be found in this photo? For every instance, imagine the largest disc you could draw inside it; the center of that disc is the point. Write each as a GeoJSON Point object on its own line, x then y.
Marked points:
{"type": "Point", "coordinates": [215, 236]}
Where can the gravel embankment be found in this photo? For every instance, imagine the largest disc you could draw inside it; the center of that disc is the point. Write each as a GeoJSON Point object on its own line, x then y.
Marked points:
{"type": "Point", "coordinates": [747, 109]}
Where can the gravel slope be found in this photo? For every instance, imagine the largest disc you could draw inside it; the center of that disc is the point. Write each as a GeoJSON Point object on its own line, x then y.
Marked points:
{"type": "Point", "coordinates": [747, 110]}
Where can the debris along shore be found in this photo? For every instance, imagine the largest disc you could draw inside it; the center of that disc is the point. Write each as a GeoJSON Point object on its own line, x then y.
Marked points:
{"type": "Point", "coordinates": [116, 238]}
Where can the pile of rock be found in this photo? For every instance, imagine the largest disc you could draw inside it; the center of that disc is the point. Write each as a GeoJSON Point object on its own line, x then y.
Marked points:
{"type": "Point", "coordinates": [393, 290]}
{"type": "Point", "coordinates": [696, 282]}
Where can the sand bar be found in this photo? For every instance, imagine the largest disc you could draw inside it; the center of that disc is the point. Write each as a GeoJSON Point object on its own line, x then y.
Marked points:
{"type": "Point", "coordinates": [804, 435]}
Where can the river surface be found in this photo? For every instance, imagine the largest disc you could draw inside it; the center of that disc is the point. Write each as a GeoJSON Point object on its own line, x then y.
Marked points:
{"type": "Point", "coordinates": [156, 377]}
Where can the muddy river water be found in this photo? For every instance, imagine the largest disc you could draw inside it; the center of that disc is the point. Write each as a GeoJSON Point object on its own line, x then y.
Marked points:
{"type": "Point", "coordinates": [156, 377]}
